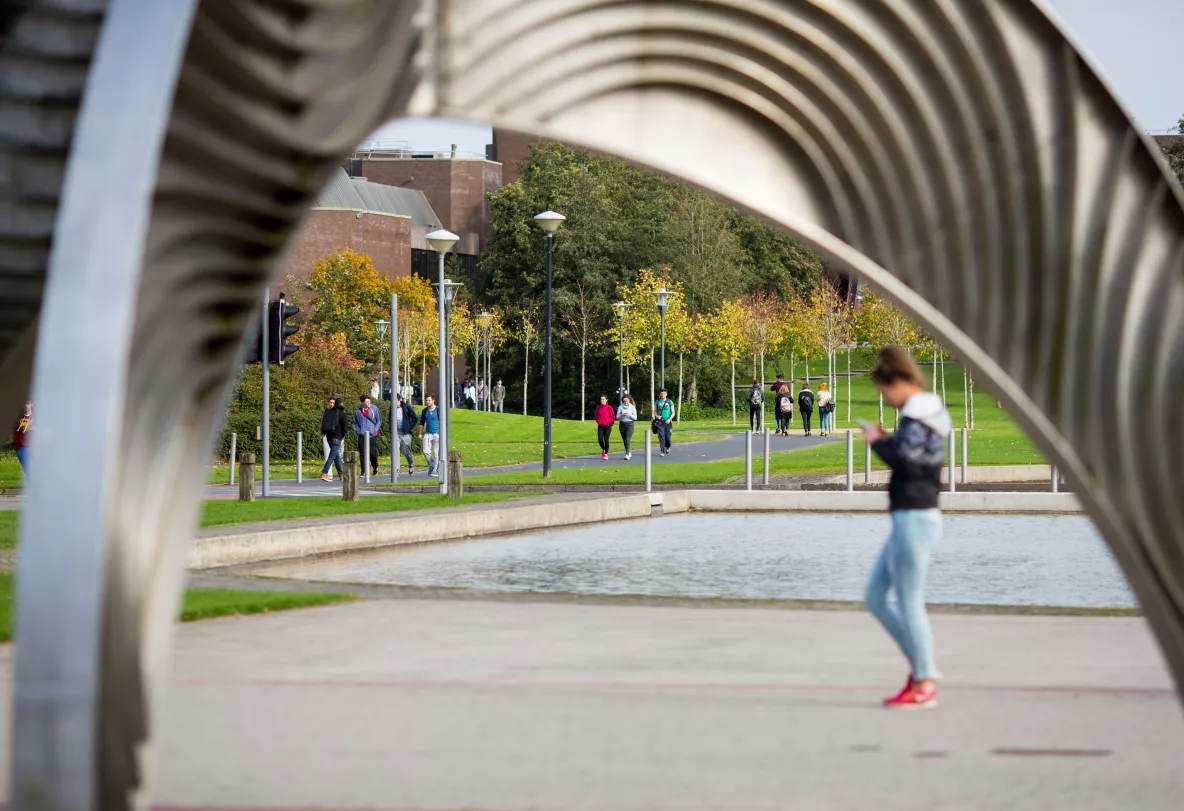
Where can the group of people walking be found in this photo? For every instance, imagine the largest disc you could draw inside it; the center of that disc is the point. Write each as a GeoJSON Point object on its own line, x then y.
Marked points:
{"type": "Point", "coordinates": [367, 420]}
{"type": "Point", "coordinates": [783, 406]}
{"type": "Point", "coordinates": [625, 415]}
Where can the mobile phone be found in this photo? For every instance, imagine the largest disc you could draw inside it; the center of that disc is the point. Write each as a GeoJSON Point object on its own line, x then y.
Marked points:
{"type": "Point", "coordinates": [864, 424]}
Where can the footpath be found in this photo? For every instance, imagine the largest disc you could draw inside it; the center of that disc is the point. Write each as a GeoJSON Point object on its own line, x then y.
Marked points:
{"type": "Point", "coordinates": [449, 704]}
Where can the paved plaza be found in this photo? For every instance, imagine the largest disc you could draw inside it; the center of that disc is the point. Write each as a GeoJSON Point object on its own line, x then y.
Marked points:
{"type": "Point", "coordinates": [457, 704]}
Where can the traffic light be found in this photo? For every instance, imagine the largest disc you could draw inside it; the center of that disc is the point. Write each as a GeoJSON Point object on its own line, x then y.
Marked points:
{"type": "Point", "coordinates": [278, 331]}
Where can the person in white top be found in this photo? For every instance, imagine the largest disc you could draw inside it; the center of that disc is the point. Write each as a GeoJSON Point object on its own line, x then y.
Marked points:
{"type": "Point", "coordinates": [824, 408]}
{"type": "Point", "coordinates": [626, 417]}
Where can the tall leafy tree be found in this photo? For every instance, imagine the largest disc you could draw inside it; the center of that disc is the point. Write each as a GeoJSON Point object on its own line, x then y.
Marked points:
{"type": "Point", "coordinates": [349, 296]}
{"type": "Point", "coordinates": [1173, 150]}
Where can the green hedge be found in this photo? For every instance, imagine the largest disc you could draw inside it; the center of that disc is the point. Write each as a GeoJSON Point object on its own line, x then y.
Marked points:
{"type": "Point", "coordinates": [284, 427]}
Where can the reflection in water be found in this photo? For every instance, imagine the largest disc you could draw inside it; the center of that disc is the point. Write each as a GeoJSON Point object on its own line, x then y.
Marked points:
{"type": "Point", "coordinates": [990, 559]}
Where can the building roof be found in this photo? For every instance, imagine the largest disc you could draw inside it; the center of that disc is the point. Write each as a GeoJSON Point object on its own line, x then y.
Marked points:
{"type": "Point", "coordinates": [343, 191]}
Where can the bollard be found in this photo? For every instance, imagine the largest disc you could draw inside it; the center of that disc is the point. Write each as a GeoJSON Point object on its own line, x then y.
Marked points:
{"type": "Point", "coordinates": [867, 462]}
{"type": "Point", "coordinates": [456, 475]}
{"type": "Point", "coordinates": [1055, 484]}
{"type": "Point", "coordinates": [349, 476]}
{"type": "Point", "coordinates": [748, 460]}
{"type": "Point", "coordinates": [965, 472]}
{"type": "Point", "coordinates": [950, 484]}
{"type": "Point", "coordinates": [366, 455]}
{"type": "Point", "coordinates": [299, 457]}
{"type": "Point", "coordinates": [649, 481]}
{"type": "Point", "coordinates": [765, 477]}
{"type": "Point", "coordinates": [246, 478]}
{"type": "Point", "coordinates": [233, 453]}
{"type": "Point", "coordinates": [850, 461]}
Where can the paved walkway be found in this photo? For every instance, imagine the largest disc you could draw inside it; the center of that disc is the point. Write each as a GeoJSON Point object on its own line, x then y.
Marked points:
{"type": "Point", "coordinates": [442, 704]}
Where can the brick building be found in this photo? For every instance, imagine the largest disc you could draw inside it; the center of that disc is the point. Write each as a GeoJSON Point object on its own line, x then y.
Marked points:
{"type": "Point", "coordinates": [510, 148]}
{"type": "Point", "coordinates": [386, 223]}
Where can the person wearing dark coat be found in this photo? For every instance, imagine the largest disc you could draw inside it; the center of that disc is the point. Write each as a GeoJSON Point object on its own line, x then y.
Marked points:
{"type": "Point", "coordinates": [806, 406]}
{"type": "Point", "coordinates": [333, 428]}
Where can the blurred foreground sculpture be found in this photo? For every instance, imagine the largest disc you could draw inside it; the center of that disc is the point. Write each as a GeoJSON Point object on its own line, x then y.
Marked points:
{"type": "Point", "coordinates": [156, 156]}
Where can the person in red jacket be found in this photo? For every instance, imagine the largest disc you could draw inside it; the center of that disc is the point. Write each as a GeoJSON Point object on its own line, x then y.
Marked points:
{"type": "Point", "coordinates": [21, 434]}
{"type": "Point", "coordinates": [605, 416]}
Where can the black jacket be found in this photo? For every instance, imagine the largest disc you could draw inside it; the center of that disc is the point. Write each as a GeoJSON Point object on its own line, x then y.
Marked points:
{"type": "Point", "coordinates": [915, 453]}
{"type": "Point", "coordinates": [805, 401]}
{"type": "Point", "coordinates": [409, 419]}
{"type": "Point", "coordinates": [333, 423]}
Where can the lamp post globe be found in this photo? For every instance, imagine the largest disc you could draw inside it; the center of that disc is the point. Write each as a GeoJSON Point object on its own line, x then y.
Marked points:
{"type": "Point", "coordinates": [549, 221]}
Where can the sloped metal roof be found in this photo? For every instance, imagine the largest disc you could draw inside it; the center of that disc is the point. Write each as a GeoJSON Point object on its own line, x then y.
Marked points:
{"type": "Point", "coordinates": [342, 191]}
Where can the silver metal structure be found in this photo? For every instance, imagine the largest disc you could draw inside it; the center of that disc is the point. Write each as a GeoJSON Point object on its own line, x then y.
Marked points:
{"type": "Point", "coordinates": [157, 155]}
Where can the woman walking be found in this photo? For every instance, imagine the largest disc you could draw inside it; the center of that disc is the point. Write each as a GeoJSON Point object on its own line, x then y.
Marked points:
{"type": "Point", "coordinates": [626, 417]}
{"type": "Point", "coordinates": [784, 407]}
{"type": "Point", "coordinates": [914, 453]}
{"type": "Point", "coordinates": [604, 416]}
{"type": "Point", "coordinates": [824, 408]}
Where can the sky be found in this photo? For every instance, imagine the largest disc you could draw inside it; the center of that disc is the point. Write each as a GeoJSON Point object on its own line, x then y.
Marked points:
{"type": "Point", "coordinates": [1135, 43]}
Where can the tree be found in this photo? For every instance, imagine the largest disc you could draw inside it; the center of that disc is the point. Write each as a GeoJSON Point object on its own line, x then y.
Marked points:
{"type": "Point", "coordinates": [1173, 151]}
{"type": "Point", "coordinates": [417, 319]}
{"type": "Point", "coordinates": [350, 297]}
{"type": "Point", "coordinates": [684, 333]}
{"type": "Point", "coordinates": [764, 324]}
{"type": "Point", "coordinates": [706, 257]}
{"type": "Point", "coordinates": [580, 322]}
{"type": "Point", "coordinates": [879, 323]}
{"type": "Point", "coordinates": [528, 325]}
{"type": "Point", "coordinates": [642, 320]}
{"type": "Point", "coordinates": [831, 317]}
{"type": "Point", "coordinates": [725, 336]}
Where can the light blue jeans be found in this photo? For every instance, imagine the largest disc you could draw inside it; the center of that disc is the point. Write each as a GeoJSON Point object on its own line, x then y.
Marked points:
{"type": "Point", "coordinates": [901, 569]}
{"type": "Point", "coordinates": [825, 420]}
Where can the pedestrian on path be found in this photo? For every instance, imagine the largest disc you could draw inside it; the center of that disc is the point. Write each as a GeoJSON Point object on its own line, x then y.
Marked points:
{"type": "Point", "coordinates": [333, 428]}
{"type": "Point", "coordinates": [482, 396]}
{"type": "Point", "coordinates": [368, 420]}
{"type": "Point", "coordinates": [469, 393]}
{"type": "Point", "coordinates": [22, 433]}
{"type": "Point", "coordinates": [825, 405]}
{"type": "Point", "coordinates": [429, 435]}
{"type": "Point", "coordinates": [784, 407]}
{"type": "Point", "coordinates": [499, 397]}
{"type": "Point", "coordinates": [626, 422]}
{"type": "Point", "coordinates": [404, 421]}
{"type": "Point", "coordinates": [915, 454]}
{"type": "Point", "coordinates": [605, 416]}
{"type": "Point", "coordinates": [806, 406]}
{"type": "Point", "coordinates": [663, 417]}
{"type": "Point", "coordinates": [756, 405]}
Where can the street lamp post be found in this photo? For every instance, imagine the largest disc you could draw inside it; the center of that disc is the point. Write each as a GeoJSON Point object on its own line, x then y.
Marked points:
{"type": "Point", "coordinates": [483, 352]}
{"type": "Point", "coordinates": [662, 294]}
{"type": "Point", "coordinates": [382, 325]}
{"type": "Point", "coordinates": [442, 242]}
{"type": "Point", "coordinates": [549, 221]}
{"type": "Point", "coordinates": [449, 366]}
{"type": "Point", "coordinates": [621, 307]}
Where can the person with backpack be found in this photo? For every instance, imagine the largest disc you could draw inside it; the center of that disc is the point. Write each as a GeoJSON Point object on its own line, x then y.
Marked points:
{"type": "Point", "coordinates": [783, 406]}
{"type": "Point", "coordinates": [663, 419]}
{"type": "Point", "coordinates": [405, 420]}
{"type": "Point", "coordinates": [333, 428]}
{"type": "Point", "coordinates": [368, 420]}
{"type": "Point", "coordinates": [756, 406]}
{"type": "Point", "coordinates": [915, 454]}
{"type": "Point", "coordinates": [826, 405]}
{"type": "Point", "coordinates": [626, 419]}
{"type": "Point", "coordinates": [605, 416]}
{"type": "Point", "coordinates": [806, 406]}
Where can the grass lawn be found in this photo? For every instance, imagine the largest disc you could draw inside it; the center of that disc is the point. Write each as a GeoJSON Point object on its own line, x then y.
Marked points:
{"type": "Point", "coordinates": [10, 471]}
{"type": "Point", "coordinates": [201, 603]}
{"type": "Point", "coordinates": [221, 513]}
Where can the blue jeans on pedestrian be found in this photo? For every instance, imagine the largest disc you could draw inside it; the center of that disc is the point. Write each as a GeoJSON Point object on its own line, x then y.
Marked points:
{"type": "Point", "coordinates": [334, 459]}
{"type": "Point", "coordinates": [22, 456]}
{"type": "Point", "coordinates": [901, 569]}
{"type": "Point", "coordinates": [824, 419]}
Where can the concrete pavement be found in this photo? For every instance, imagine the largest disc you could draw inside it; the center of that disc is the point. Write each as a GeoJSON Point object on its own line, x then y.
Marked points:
{"type": "Point", "coordinates": [441, 704]}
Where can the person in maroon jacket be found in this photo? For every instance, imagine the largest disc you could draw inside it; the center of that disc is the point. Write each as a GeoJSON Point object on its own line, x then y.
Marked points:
{"type": "Point", "coordinates": [21, 434]}
{"type": "Point", "coordinates": [605, 416]}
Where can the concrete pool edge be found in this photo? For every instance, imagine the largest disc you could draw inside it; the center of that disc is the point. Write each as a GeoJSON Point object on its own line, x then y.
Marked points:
{"type": "Point", "coordinates": [279, 541]}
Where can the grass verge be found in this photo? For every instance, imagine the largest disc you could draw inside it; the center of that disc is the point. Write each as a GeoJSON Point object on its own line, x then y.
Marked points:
{"type": "Point", "coordinates": [222, 513]}
{"type": "Point", "coordinates": [202, 603]}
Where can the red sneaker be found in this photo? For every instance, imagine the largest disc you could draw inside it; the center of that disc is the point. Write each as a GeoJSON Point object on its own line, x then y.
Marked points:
{"type": "Point", "coordinates": [913, 697]}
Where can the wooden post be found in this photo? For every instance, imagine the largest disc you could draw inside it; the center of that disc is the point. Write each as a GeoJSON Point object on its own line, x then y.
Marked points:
{"type": "Point", "coordinates": [456, 475]}
{"type": "Point", "coordinates": [349, 476]}
{"type": "Point", "coordinates": [246, 477]}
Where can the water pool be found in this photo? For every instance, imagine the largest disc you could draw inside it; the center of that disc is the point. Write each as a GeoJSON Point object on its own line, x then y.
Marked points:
{"type": "Point", "coordinates": [1055, 560]}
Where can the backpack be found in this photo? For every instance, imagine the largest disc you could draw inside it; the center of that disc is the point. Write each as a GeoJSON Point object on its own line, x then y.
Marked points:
{"type": "Point", "coordinates": [806, 399]}
{"type": "Point", "coordinates": [784, 404]}
{"type": "Point", "coordinates": [756, 397]}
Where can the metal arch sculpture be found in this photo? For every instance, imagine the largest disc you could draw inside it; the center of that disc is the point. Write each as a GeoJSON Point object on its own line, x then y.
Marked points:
{"type": "Point", "coordinates": [962, 156]}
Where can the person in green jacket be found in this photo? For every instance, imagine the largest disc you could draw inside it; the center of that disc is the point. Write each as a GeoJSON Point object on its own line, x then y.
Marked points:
{"type": "Point", "coordinates": [664, 414]}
